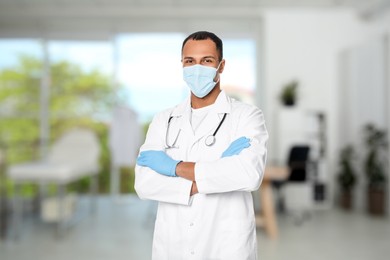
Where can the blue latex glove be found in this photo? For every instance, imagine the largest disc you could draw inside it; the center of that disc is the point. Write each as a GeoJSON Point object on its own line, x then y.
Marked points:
{"type": "Point", "coordinates": [236, 147]}
{"type": "Point", "coordinates": [158, 161]}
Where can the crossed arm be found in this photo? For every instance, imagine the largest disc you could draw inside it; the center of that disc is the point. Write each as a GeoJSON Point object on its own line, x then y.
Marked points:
{"type": "Point", "coordinates": [186, 170]}
{"type": "Point", "coordinates": [160, 162]}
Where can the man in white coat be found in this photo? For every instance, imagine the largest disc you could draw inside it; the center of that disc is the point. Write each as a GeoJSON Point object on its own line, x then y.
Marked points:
{"type": "Point", "coordinates": [201, 160]}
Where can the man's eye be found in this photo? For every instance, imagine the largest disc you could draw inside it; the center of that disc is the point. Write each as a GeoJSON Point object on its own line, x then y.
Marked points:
{"type": "Point", "coordinates": [207, 61]}
{"type": "Point", "coordinates": [188, 61]}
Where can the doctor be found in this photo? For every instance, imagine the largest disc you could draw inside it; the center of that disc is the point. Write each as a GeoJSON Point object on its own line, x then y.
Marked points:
{"type": "Point", "coordinates": [201, 160]}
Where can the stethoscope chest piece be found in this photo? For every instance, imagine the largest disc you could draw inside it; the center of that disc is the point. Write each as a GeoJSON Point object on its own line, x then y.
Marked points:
{"type": "Point", "coordinates": [210, 140]}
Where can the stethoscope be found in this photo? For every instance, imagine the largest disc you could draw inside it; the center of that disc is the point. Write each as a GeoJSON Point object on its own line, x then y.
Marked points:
{"type": "Point", "coordinates": [209, 141]}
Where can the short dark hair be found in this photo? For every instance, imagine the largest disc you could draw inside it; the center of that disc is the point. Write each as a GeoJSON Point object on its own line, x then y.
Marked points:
{"type": "Point", "coordinates": [204, 35]}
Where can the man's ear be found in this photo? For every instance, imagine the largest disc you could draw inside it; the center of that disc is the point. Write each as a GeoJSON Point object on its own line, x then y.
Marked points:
{"type": "Point", "coordinates": [222, 66]}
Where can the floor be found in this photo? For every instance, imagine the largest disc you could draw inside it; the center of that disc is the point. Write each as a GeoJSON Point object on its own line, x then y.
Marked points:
{"type": "Point", "coordinates": [122, 229]}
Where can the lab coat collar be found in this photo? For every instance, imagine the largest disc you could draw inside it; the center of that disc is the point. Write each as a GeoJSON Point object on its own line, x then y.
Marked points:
{"type": "Point", "coordinates": [221, 105]}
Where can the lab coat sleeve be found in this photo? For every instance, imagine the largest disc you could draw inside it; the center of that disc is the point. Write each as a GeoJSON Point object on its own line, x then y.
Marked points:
{"type": "Point", "coordinates": [242, 172]}
{"type": "Point", "coordinates": [152, 185]}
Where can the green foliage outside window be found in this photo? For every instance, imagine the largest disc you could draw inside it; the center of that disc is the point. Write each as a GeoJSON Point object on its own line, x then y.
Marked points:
{"type": "Point", "coordinates": [77, 98]}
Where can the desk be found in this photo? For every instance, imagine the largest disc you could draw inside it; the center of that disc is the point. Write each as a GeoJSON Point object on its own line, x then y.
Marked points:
{"type": "Point", "coordinates": [267, 218]}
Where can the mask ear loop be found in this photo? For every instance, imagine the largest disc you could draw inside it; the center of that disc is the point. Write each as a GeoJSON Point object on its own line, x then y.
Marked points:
{"type": "Point", "coordinates": [217, 73]}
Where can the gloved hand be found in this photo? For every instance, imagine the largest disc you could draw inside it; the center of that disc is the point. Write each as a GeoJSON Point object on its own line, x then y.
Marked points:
{"type": "Point", "coordinates": [236, 147]}
{"type": "Point", "coordinates": [158, 161]}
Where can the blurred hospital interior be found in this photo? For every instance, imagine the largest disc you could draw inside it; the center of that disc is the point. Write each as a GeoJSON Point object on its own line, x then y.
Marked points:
{"type": "Point", "coordinates": [80, 81]}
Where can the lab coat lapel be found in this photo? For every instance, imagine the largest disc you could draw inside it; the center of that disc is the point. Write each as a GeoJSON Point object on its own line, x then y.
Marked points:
{"type": "Point", "coordinates": [183, 110]}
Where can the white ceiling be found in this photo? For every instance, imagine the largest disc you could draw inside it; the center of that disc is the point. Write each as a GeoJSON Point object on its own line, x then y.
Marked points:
{"type": "Point", "coordinates": [101, 18]}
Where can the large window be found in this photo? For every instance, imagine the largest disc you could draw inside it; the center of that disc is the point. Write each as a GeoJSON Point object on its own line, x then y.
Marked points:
{"type": "Point", "coordinates": [239, 77]}
{"type": "Point", "coordinates": [39, 102]}
{"type": "Point", "coordinates": [19, 95]}
{"type": "Point", "coordinates": [147, 66]}
{"type": "Point", "coordinates": [150, 68]}
{"type": "Point", "coordinates": [11, 51]}
{"type": "Point", "coordinates": [88, 55]}
{"type": "Point", "coordinates": [82, 71]}
{"type": "Point", "coordinates": [17, 68]}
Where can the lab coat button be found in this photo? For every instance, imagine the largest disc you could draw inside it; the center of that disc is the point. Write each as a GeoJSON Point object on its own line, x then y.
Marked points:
{"type": "Point", "coordinates": [191, 224]}
{"type": "Point", "coordinates": [192, 252]}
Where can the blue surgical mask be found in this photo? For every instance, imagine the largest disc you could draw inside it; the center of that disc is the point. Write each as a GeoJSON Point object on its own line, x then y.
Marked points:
{"type": "Point", "coordinates": [200, 79]}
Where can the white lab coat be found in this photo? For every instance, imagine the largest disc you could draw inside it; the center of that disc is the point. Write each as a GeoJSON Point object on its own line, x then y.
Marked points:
{"type": "Point", "coordinates": [218, 222]}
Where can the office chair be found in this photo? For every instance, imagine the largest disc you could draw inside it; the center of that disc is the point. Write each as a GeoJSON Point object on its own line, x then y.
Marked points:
{"type": "Point", "coordinates": [296, 193]}
{"type": "Point", "coordinates": [297, 163]}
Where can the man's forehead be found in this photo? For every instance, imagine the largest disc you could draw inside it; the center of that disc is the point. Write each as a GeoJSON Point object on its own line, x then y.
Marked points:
{"type": "Point", "coordinates": [200, 49]}
{"type": "Point", "coordinates": [200, 46]}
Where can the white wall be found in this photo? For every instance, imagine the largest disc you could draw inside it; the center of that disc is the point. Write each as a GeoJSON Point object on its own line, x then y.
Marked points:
{"type": "Point", "coordinates": [363, 101]}
{"type": "Point", "coordinates": [366, 92]}
{"type": "Point", "coordinates": [304, 44]}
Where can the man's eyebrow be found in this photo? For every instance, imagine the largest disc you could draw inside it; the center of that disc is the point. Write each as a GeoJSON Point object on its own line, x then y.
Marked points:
{"type": "Point", "coordinates": [205, 57]}
{"type": "Point", "coordinates": [209, 57]}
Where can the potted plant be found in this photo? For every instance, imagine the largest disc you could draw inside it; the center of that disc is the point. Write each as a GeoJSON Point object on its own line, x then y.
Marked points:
{"type": "Point", "coordinates": [288, 95]}
{"type": "Point", "coordinates": [346, 176]}
{"type": "Point", "coordinates": [375, 168]}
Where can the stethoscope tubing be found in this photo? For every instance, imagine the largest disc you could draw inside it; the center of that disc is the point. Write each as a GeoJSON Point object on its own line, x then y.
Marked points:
{"type": "Point", "coordinates": [210, 137]}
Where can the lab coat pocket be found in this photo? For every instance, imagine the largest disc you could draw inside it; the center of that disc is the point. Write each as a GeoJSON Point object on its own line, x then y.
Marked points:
{"type": "Point", "coordinates": [238, 239]}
